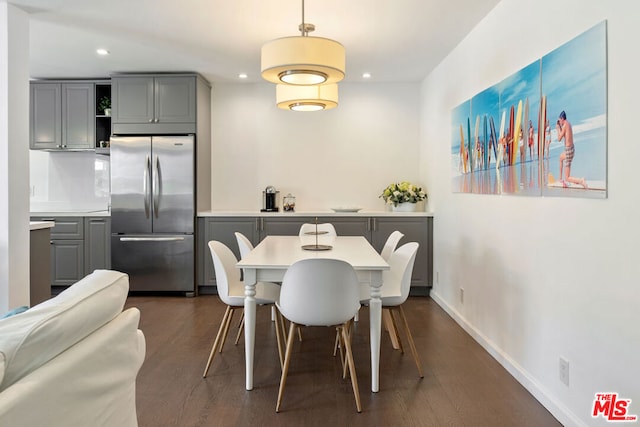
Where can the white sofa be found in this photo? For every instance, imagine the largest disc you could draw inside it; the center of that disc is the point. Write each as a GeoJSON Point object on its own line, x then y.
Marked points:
{"type": "Point", "coordinates": [73, 360]}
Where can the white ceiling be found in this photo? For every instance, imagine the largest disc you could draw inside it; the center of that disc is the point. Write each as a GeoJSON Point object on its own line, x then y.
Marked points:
{"type": "Point", "coordinates": [394, 40]}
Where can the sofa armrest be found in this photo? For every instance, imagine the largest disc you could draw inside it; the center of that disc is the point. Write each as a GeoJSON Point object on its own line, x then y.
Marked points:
{"type": "Point", "coordinates": [91, 383]}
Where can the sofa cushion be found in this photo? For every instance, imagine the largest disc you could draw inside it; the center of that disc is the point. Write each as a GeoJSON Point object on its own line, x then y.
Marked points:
{"type": "Point", "coordinates": [41, 333]}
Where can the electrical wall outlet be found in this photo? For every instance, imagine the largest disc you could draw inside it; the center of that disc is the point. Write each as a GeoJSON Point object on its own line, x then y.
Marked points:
{"type": "Point", "coordinates": [461, 295]}
{"type": "Point", "coordinates": [437, 277]}
{"type": "Point", "coordinates": [564, 370]}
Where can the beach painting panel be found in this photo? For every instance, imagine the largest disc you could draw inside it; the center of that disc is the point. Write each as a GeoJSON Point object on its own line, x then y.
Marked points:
{"type": "Point", "coordinates": [491, 151]}
{"type": "Point", "coordinates": [460, 165]}
{"type": "Point", "coordinates": [540, 131]}
{"type": "Point", "coordinates": [574, 82]}
{"type": "Point", "coordinates": [517, 169]}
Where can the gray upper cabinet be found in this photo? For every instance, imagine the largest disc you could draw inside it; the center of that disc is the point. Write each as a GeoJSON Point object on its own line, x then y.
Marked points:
{"type": "Point", "coordinates": [62, 116]}
{"type": "Point", "coordinates": [154, 103]}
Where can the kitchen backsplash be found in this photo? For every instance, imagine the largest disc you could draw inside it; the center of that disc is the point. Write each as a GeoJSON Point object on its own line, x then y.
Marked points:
{"type": "Point", "coordinates": [68, 181]}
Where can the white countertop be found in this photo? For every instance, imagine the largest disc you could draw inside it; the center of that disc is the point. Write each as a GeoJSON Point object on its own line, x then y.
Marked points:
{"type": "Point", "coordinates": [362, 213]}
{"type": "Point", "coordinates": [39, 225]}
{"type": "Point", "coordinates": [52, 214]}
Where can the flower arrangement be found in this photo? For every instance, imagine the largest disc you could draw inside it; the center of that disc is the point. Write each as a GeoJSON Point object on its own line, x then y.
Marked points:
{"type": "Point", "coordinates": [403, 192]}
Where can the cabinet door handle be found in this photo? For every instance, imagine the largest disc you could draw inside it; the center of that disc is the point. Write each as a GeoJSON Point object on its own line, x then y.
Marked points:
{"type": "Point", "coordinates": [152, 239]}
{"type": "Point", "coordinates": [150, 120]}
{"type": "Point", "coordinates": [257, 224]}
{"type": "Point", "coordinates": [146, 184]}
{"type": "Point", "coordinates": [156, 186]}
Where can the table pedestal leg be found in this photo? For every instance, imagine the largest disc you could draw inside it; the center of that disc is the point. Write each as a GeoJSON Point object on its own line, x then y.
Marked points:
{"type": "Point", "coordinates": [375, 319]}
{"type": "Point", "coordinates": [249, 324]}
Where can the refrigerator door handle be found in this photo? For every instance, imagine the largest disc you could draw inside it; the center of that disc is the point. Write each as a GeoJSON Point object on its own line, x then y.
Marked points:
{"type": "Point", "coordinates": [145, 185]}
{"type": "Point", "coordinates": [152, 239]}
{"type": "Point", "coordinates": [157, 189]}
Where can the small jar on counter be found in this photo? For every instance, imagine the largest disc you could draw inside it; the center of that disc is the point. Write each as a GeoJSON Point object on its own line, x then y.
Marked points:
{"type": "Point", "coordinates": [289, 203]}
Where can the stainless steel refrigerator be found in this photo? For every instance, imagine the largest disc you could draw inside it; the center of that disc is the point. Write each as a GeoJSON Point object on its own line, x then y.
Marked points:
{"type": "Point", "coordinates": [153, 211]}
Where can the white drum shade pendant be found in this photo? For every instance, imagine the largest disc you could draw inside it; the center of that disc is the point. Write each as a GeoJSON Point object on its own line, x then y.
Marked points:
{"type": "Point", "coordinates": [307, 98]}
{"type": "Point", "coordinates": [303, 60]}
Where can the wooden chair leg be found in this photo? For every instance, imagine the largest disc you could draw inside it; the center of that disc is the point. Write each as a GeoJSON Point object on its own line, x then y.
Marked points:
{"type": "Point", "coordinates": [352, 367]}
{"type": "Point", "coordinates": [389, 326]}
{"type": "Point", "coordinates": [240, 328]}
{"type": "Point", "coordinates": [241, 321]}
{"type": "Point", "coordinates": [216, 341]}
{"type": "Point", "coordinates": [285, 368]}
{"type": "Point", "coordinates": [279, 337]}
{"type": "Point", "coordinates": [226, 329]}
{"type": "Point", "coordinates": [394, 325]}
{"type": "Point", "coordinates": [336, 344]}
{"type": "Point", "coordinates": [412, 345]}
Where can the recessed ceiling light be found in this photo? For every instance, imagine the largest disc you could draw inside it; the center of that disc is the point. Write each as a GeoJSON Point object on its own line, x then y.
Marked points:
{"type": "Point", "coordinates": [102, 52]}
{"type": "Point", "coordinates": [366, 75]}
{"type": "Point", "coordinates": [242, 76]}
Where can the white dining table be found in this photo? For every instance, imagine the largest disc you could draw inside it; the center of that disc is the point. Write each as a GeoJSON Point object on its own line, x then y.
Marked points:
{"type": "Point", "coordinates": [269, 261]}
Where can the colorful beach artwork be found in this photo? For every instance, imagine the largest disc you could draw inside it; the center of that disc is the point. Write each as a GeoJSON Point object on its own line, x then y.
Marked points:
{"type": "Point", "coordinates": [541, 131]}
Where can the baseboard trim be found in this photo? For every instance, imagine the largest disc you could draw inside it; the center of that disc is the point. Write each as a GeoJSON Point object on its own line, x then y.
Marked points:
{"type": "Point", "coordinates": [541, 393]}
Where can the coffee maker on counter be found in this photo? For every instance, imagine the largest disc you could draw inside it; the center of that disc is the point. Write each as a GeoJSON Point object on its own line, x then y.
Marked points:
{"type": "Point", "coordinates": [270, 199]}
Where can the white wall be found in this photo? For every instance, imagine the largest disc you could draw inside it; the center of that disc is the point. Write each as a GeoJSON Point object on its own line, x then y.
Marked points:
{"type": "Point", "coordinates": [340, 157]}
{"type": "Point", "coordinates": [543, 277]}
{"type": "Point", "coordinates": [14, 159]}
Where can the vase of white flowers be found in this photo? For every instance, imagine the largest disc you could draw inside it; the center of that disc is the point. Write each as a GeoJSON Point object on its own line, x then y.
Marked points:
{"type": "Point", "coordinates": [403, 196]}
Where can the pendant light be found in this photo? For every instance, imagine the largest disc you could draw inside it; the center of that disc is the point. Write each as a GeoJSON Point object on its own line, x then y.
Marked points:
{"type": "Point", "coordinates": [303, 60]}
{"type": "Point", "coordinates": [307, 98]}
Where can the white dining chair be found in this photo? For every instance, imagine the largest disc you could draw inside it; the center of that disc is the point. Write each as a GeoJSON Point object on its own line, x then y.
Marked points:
{"type": "Point", "coordinates": [391, 244]}
{"type": "Point", "coordinates": [231, 292]}
{"type": "Point", "coordinates": [388, 248]}
{"type": "Point", "coordinates": [395, 290]}
{"type": "Point", "coordinates": [327, 228]}
{"type": "Point", "coordinates": [320, 292]}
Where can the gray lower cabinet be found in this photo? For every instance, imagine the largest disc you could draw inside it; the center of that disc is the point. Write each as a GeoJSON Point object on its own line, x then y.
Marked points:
{"type": "Point", "coordinates": [78, 247]}
{"type": "Point", "coordinates": [62, 116]}
{"type": "Point", "coordinates": [222, 229]}
{"type": "Point", "coordinates": [67, 261]}
{"type": "Point", "coordinates": [415, 229]}
{"type": "Point", "coordinates": [154, 103]}
{"type": "Point", "coordinates": [97, 243]}
{"type": "Point", "coordinates": [376, 229]}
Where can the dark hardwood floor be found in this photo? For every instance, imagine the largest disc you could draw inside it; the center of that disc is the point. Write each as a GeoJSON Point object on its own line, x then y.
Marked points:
{"type": "Point", "coordinates": [462, 386]}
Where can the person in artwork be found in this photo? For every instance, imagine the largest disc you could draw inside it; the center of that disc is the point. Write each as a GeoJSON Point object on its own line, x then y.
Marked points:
{"type": "Point", "coordinates": [547, 139]}
{"type": "Point", "coordinates": [565, 131]}
{"type": "Point", "coordinates": [530, 140]}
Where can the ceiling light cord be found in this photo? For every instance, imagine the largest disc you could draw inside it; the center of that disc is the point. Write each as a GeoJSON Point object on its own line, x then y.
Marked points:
{"type": "Point", "coordinates": [303, 30]}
